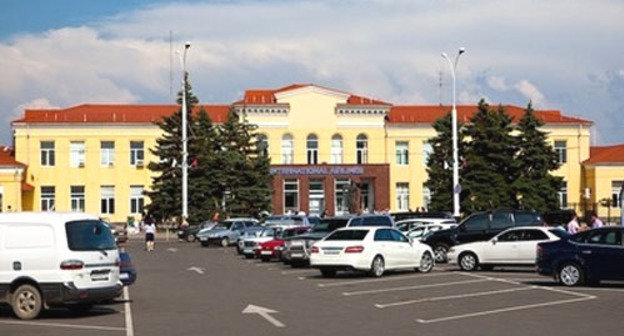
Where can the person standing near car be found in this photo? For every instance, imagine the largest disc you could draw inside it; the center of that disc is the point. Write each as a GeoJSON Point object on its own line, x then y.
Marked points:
{"type": "Point", "coordinates": [595, 221]}
{"type": "Point", "coordinates": [573, 225]}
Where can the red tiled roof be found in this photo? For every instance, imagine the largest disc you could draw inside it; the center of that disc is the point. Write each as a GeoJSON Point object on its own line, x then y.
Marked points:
{"type": "Point", "coordinates": [606, 154]}
{"type": "Point", "coordinates": [430, 113]}
{"type": "Point", "coordinates": [115, 113]}
{"type": "Point", "coordinates": [258, 97]}
{"type": "Point", "coordinates": [7, 157]}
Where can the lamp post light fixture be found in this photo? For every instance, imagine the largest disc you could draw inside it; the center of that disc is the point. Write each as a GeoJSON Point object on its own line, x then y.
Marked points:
{"type": "Point", "coordinates": [187, 45]}
{"type": "Point", "coordinates": [456, 185]}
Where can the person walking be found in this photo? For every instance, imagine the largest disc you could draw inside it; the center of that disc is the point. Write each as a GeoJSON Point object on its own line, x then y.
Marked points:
{"type": "Point", "coordinates": [573, 225]}
{"type": "Point", "coordinates": [150, 232]}
{"type": "Point", "coordinates": [595, 221]}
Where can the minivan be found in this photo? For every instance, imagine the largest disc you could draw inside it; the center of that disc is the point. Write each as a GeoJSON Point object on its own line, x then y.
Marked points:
{"type": "Point", "coordinates": [56, 259]}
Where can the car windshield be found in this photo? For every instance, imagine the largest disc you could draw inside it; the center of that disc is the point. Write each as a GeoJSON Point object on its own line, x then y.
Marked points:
{"type": "Point", "coordinates": [89, 235]}
{"type": "Point", "coordinates": [268, 233]}
{"type": "Point", "coordinates": [348, 235]}
{"type": "Point", "coordinates": [224, 226]}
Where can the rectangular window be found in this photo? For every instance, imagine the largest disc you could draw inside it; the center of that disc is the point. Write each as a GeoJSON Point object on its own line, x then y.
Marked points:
{"type": "Point", "coordinates": [563, 197]}
{"type": "Point", "coordinates": [402, 152]}
{"type": "Point", "coordinates": [136, 153]}
{"type": "Point", "coordinates": [107, 200]}
{"type": "Point", "coordinates": [47, 153]}
{"type": "Point", "coordinates": [427, 150]}
{"type": "Point", "coordinates": [77, 198]}
{"type": "Point", "coordinates": [47, 198]}
{"type": "Point", "coordinates": [426, 198]}
{"type": "Point", "coordinates": [402, 196]}
{"type": "Point", "coordinates": [561, 148]}
{"type": "Point", "coordinates": [136, 200]}
{"type": "Point", "coordinates": [616, 188]}
{"type": "Point", "coordinates": [291, 195]}
{"type": "Point", "coordinates": [77, 154]}
{"type": "Point", "coordinates": [107, 153]}
{"type": "Point", "coordinates": [341, 191]}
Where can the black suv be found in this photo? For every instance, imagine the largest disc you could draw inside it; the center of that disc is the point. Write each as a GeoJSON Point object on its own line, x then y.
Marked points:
{"type": "Point", "coordinates": [477, 227]}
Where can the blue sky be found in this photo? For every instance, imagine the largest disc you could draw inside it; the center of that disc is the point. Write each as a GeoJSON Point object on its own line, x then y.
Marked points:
{"type": "Point", "coordinates": [559, 54]}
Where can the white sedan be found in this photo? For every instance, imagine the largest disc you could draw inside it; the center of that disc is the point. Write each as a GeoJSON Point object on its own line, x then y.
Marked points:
{"type": "Point", "coordinates": [512, 247]}
{"type": "Point", "coordinates": [370, 249]}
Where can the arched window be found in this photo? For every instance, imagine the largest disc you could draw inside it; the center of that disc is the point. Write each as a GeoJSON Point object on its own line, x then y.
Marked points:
{"type": "Point", "coordinates": [262, 144]}
{"type": "Point", "coordinates": [312, 149]}
{"type": "Point", "coordinates": [336, 149]}
{"type": "Point", "coordinates": [361, 149]}
{"type": "Point", "coordinates": [287, 149]}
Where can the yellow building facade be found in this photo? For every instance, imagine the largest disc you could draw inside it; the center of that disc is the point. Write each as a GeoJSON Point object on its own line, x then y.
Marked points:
{"type": "Point", "coordinates": [320, 141]}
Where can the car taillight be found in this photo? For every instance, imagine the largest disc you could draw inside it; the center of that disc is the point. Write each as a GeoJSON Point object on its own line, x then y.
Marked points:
{"type": "Point", "coordinates": [354, 249]}
{"type": "Point", "coordinates": [314, 249]}
{"type": "Point", "coordinates": [71, 265]}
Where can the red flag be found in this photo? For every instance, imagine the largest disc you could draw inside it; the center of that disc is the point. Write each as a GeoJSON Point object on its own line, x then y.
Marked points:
{"type": "Point", "coordinates": [194, 164]}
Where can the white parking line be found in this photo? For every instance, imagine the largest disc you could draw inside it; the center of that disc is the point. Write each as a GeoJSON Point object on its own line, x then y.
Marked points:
{"type": "Point", "coordinates": [508, 309]}
{"type": "Point", "coordinates": [404, 288]}
{"type": "Point", "coordinates": [393, 278]}
{"type": "Point", "coordinates": [128, 312]}
{"type": "Point", "coordinates": [451, 297]}
{"type": "Point", "coordinates": [299, 271]}
{"type": "Point", "coordinates": [63, 325]}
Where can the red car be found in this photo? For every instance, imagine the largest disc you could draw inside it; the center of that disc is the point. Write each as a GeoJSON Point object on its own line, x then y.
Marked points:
{"type": "Point", "coordinates": [273, 248]}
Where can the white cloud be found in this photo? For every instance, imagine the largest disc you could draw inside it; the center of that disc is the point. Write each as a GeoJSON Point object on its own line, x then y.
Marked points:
{"type": "Point", "coordinates": [387, 50]}
{"type": "Point", "coordinates": [531, 92]}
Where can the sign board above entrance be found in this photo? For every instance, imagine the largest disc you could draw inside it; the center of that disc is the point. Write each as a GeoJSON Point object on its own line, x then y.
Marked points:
{"type": "Point", "coordinates": [318, 171]}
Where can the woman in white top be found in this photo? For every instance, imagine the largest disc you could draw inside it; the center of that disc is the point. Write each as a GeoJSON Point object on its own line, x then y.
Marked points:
{"type": "Point", "coordinates": [150, 231]}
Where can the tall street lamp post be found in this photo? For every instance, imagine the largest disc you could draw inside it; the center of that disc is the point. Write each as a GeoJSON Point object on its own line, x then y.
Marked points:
{"type": "Point", "coordinates": [187, 45]}
{"type": "Point", "coordinates": [456, 186]}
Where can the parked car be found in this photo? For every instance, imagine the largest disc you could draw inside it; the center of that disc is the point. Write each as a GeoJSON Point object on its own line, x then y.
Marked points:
{"type": "Point", "coordinates": [56, 259]}
{"type": "Point", "coordinates": [190, 233]}
{"type": "Point", "coordinates": [478, 227]}
{"type": "Point", "coordinates": [226, 232]}
{"type": "Point", "coordinates": [127, 272]}
{"type": "Point", "coordinates": [516, 246]}
{"type": "Point", "coordinates": [248, 232]}
{"type": "Point", "coordinates": [273, 248]}
{"type": "Point", "coordinates": [371, 220]}
{"type": "Point", "coordinates": [297, 249]}
{"type": "Point", "coordinates": [370, 249]}
{"type": "Point", "coordinates": [399, 216]}
{"type": "Point", "coordinates": [587, 257]}
{"type": "Point", "coordinates": [293, 220]}
{"type": "Point", "coordinates": [419, 232]}
{"type": "Point", "coordinates": [409, 224]}
{"type": "Point", "coordinates": [252, 244]}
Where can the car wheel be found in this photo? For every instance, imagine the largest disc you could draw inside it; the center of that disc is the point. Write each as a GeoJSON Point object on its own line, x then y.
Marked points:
{"type": "Point", "coordinates": [26, 302]}
{"type": "Point", "coordinates": [426, 263]}
{"type": "Point", "coordinates": [571, 274]}
{"type": "Point", "coordinates": [190, 238]}
{"type": "Point", "coordinates": [377, 267]}
{"type": "Point", "coordinates": [468, 261]}
{"type": "Point", "coordinates": [328, 273]}
{"type": "Point", "coordinates": [265, 259]}
{"type": "Point", "coordinates": [225, 242]}
{"type": "Point", "coordinates": [204, 244]}
{"type": "Point", "coordinates": [80, 308]}
{"type": "Point", "coordinates": [440, 251]}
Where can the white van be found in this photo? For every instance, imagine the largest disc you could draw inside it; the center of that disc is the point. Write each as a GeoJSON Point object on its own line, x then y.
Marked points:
{"type": "Point", "coordinates": [56, 259]}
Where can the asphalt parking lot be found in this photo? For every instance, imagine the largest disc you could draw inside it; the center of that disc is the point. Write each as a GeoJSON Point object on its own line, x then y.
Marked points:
{"type": "Point", "coordinates": [184, 289]}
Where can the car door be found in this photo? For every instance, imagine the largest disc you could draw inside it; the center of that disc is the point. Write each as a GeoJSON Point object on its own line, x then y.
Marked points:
{"type": "Point", "coordinates": [602, 253]}
{"type": "Point", "coordinates": [527, 246]}
{"type": "Point", "coordinates": [237, 228]}
{"type": "Point", "coordinates": [503, 249]}
{"type": "Point", "coordinates": [403, 250]}
{"type": "Point", "coordinates": [473, 229]}
{"type": "Point", "coordinates": [383, 244]}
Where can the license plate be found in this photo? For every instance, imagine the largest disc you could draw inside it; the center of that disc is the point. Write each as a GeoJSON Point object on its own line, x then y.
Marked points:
{"type": "Point", "coordinates": [180, 232]}
{"type": "Point", "coordinates": [203, 238]}
{"type": "Point", "coordinates": [100, 275]}
{"type": "Point", "coordinates": [266, 252]}
{"type": "Point", "coordinates": [296, 255]}
{"type": "Point", "coordinates": [124, 276]}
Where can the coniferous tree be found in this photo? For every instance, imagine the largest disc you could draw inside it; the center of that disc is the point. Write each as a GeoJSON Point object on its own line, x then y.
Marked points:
{"type": "Point", "coordinates": [440, 164]}
{"type": "Point", "coordinates": [487, 175]}
{"type": "Point", "coordinates": [534, 187]}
